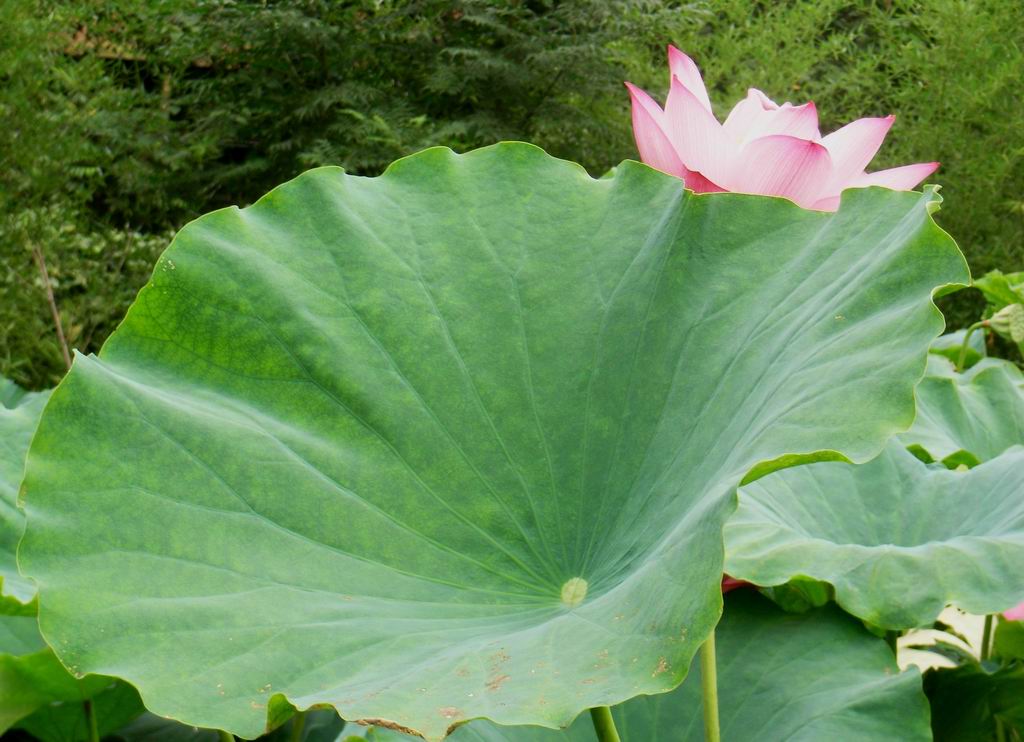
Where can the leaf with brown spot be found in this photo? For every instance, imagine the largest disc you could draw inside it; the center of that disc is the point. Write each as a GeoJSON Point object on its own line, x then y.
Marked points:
{"type": "Point", "coordinates": [447, 392]}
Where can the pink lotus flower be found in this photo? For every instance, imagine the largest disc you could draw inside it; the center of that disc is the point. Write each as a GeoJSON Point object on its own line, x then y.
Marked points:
{"type": "Point", "coordinates": [1015, 614]}
{"type": "Point", "coordinates": [762, 147]}
{"type": "Point", "coordinates": [731, 583]}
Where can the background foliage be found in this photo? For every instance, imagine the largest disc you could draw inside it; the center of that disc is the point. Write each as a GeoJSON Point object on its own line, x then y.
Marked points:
{"type": "Point", "coordinates": [122, 119]}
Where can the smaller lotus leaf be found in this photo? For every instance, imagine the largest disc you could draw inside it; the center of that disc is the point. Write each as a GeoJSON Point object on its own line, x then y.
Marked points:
{"type": "Point", "coordinates": [1001, 288]}
{"type": "Point", "coordinates": [31, 677]}
{"type": "Point", "coordinates": [19, 415]}
{"type": "Point", "coordinates": [967, 701]}
{"type": "Point", "coordinates": [318, 725]}
{"type": "Point", "coordinates": [896, 538]}
{"type": "Point", "coordinates": [1008, 642]}
{"type": "Point", "coordinates": [968, 417]}
{"type": "Point", "coordinates": [65, 721]}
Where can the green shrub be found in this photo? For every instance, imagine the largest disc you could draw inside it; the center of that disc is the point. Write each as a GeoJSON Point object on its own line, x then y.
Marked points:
{"type": "Point", "coordinates": [132, 117]}
{"type": "Point", "coordinates": [95, 274]}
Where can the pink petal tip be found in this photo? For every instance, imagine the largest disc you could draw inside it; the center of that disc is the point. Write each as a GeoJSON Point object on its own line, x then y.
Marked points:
{"type": "Point", "coordinates": [1015, 614]}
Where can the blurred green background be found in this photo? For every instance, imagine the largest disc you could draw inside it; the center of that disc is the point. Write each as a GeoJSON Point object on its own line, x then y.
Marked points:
{"type": "Point", "coordinates": [121, 120]}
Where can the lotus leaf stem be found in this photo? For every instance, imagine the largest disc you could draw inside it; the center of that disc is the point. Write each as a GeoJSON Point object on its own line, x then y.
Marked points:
{"type": "Point", "coordinates": [986, 638]}
{"type": "Point", "coordinates": [892, 638]}
{"type": "Point", "coordinates": [963, 348]}
{"type": "Point", "coordinates": [298, 725]}
{"type": "Point", "coordinates": [604, 724]}
{"type": "Point", "coordinates": [709, 690]}
{"type": "Point", "coordinates": [91, 727]}
{"type": "Point", "coordinates": [37, 254]}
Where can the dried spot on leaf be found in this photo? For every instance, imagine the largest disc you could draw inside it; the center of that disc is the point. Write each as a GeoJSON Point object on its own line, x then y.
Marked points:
{"type": "Point", "coordinates": [661, 668]}
{"type": "Point", "coordinates": [449, 712]}
{"type": "Point", "coordinates": [499, 657]}
{"type": "Point", "coordinates": [387, 724]}
{"type": "Point", "coordinates": [452, 727]}
{"type": "Point", "coordinates": [496, 682]}
{"type": "Point", "coordinates": [462, 672]}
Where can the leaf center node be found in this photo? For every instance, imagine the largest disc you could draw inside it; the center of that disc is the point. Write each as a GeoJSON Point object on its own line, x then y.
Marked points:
{"type": "Point", "coordinates": [573, 592]}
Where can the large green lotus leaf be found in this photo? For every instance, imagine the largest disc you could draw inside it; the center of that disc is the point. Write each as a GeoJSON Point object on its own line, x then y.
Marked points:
{"type": "Point", "coordinates": [19, 415]}
{"type": "Point", "coordinates": [814, 676]}
{"type": "Point", "coordinates": [31, 677]}
{"type": "Point", "coordinates": [971, 416]}
{"type": "Point", "coordinates": [458, 441]}
{"type": "Point", "coordinates": [898, 539]}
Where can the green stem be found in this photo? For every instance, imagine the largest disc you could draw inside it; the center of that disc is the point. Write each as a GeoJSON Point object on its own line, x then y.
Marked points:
{"type": "Point", "coordinates": [891, 638]}
{"type": "Point", "coordinates": [225, 736]}
{"type": "Point", "coordinates": [92, 729]}
{"type": "Point", "coordinates": [986, 636]}
{"type": "Point", "coordinates": [298, 724]}
{"type": "Point", "coordinates": [1000, 730]}
{"type": "Point", "coordinates": [709, 690]}
{"type": "Point", "coordinates": [963, 348]}
{"type": "Point", "coordinates": [604, 724]}
{"type": "Point", "coordinates": [57, 324]}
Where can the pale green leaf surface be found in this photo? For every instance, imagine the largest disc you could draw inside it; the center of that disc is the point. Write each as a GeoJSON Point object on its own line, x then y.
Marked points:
{"type": "Point", "coordinates": [896, 538]}
{"type": "Point", "coordinates": [974, 415]}
{"type": "Point", "coordinates": [814, 676]}
{"type": "Point", "coordinates": [351, 443]}
{"type": "Point", "coordinates": [19, 415]}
